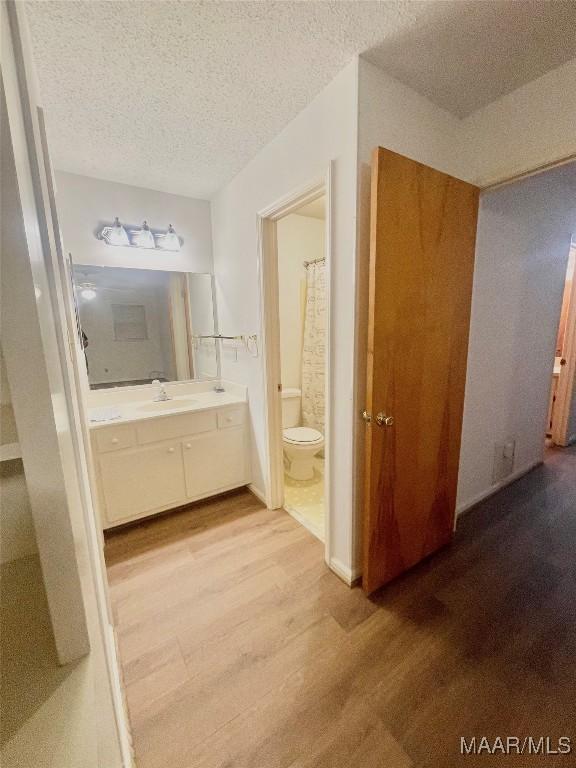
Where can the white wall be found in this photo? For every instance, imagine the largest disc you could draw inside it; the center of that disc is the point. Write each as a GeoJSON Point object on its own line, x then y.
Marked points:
{"type": "Point", "coordinates": [322, 133]}
{"type": "Point", "coordinates": [524, 233]}
{"type": "Point", "coordinates": [529, 127]}
{"type": "Point", "coordinates": [86, 204]}
{"type": "Point", "coordinates": [300, 238]}
{"type": "Point", "coordinates": [392, 115]}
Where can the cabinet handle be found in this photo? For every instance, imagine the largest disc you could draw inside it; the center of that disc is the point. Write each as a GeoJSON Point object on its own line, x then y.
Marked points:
{"type": "Point", "coordinates": [114, 441]}
{"type": "Point", "coordinates": [188, 445]}
{"type": "Point", "coordinates": [170, 450]}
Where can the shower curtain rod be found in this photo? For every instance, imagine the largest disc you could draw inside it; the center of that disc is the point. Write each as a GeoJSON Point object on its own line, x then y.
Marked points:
{"type": "Point", "coordinates": [314, 261]}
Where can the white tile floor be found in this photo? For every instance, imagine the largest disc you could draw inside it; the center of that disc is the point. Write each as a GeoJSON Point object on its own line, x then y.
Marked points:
{"type": "Point", "coordinates": [304, 500]}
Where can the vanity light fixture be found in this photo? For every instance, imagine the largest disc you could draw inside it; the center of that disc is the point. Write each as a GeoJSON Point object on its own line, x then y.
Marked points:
{"type": "Point", "coordinates": [143, 238]}
{"type": "Point", "coordinates": [140, 238]}
{"type": "Point", "coordinates": [115, 235]}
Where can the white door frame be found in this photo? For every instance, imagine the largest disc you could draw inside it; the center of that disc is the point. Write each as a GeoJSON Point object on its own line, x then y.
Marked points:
{"type": "Point", "coordinates": [270, 321]}
{"type": "Point", "coordinates": [47, 283]}
{"type": "Point", "coordinates": [38, 392]}
{"type": "Point", "coordinates": [567, 378]}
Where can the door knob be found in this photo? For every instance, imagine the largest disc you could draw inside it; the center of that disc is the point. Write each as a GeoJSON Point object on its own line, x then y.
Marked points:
{"type": "Point", "coordinates": [366, 416]}
{"type": "Point", "coordinates": [384, 421]}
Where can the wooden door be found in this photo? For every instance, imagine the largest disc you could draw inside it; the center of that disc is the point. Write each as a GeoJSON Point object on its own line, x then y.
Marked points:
{"type": "Point", "coordinates": [564, 418]}
{"type": "Point", "coordinates": [423, 229]}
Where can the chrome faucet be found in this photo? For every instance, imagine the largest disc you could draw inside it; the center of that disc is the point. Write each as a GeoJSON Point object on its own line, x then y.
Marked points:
{"type": "Point", "coordinates": [161, 395]}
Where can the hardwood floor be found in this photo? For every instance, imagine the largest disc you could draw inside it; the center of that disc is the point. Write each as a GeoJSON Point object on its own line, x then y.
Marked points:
{"type": "Point", "coordinates": [241, 650]}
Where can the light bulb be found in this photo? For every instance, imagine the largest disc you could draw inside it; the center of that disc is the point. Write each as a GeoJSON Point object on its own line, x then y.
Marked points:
{"type": "Point", "coordinates": [170, 241]}
{"type": "Point", "coordinates": [144, 238]}
{"type": "Point", "coordinates": [116, 234]}
{"type": "Point", "coordinates": [88, 294]}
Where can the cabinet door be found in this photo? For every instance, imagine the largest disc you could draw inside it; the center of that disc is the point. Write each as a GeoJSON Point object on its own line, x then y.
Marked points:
{"type": "Point", "coordinates": [215, 461]}
{"type": "Point", "coordinates": [142, 480]}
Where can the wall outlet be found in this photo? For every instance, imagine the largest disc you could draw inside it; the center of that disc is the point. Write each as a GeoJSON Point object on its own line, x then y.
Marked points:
{"type": "Point", "coordinates": [504, 455]}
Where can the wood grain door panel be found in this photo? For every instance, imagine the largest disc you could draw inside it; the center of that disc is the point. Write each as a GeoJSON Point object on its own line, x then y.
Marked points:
{"type": "Point", "coordinates": [423, 230]}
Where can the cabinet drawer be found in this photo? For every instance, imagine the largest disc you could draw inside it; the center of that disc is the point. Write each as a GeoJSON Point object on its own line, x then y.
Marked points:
{"type": "Point", "coordinates": [115, 438]}
{"type": "Point", "coordinates": [154, 430]}
{"type": "Point", "coordinates": [142, 480]}
{"type": "Point", "coordinates": [232, 417]}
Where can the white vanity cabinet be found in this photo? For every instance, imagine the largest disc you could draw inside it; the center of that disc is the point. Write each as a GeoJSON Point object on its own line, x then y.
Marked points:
{"type": "Point", "coordinates": [151, 465]}
{"type": "Point", "coordinates": [140, 480]}
{"type": "Point", "coordinates": [214, 460]}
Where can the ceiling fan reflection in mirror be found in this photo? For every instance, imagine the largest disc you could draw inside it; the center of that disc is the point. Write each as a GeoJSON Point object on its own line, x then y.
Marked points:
{"type": "Point", "coordinates": [88, 288]}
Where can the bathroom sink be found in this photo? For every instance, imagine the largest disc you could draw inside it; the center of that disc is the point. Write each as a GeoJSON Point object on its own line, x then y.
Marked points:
{"type": "Point", "coordinates": [166, 405]}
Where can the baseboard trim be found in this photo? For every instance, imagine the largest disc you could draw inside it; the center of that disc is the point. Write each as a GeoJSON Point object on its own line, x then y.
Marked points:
{"type": "Point", "coordinates": [352, 576]}
{"type": "Point", "coordinates": [349, 576]}
{"type": "Point", "coordinates": [260, 495]}
{"type": "Point", "coordinates": [301, 519]}
{"type": "Point", "coordinates": [118, 694]}
{"type": "Point", "coordinates": [498, 487]}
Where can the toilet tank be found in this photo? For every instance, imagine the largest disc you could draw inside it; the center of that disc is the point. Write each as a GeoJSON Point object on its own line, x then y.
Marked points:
{"type": "Point", "coordinates": [290, 407]}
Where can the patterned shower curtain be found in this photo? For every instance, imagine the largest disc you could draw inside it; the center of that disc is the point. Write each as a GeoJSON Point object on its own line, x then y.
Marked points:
{"type": "Point", "coordinates": [314, 347]}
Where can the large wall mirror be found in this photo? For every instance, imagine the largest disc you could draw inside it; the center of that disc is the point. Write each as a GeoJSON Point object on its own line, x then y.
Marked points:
{"type": "Point", "coordinates": [138, 325]}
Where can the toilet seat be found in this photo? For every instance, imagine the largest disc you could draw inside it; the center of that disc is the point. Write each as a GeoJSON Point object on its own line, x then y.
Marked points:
{"type": "Point", "coordinates": [302, 436]}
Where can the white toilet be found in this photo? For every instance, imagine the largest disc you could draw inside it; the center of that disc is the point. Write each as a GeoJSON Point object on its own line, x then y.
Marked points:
{"type": "Point", "coordinates": [301, 444]}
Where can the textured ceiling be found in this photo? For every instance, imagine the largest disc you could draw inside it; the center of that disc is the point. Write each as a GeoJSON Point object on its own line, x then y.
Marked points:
{"type": "Point", "coordinates": [179, 96]}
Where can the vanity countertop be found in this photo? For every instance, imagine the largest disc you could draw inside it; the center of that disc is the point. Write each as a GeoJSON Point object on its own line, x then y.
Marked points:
{"type": "Point", "coordinates": [140, 410]}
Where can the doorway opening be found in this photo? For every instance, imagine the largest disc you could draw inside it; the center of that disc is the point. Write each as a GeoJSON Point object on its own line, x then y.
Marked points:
{"type": "Point", "coordinates": [302, 313]}
{"type": "Point", "coordinates": [560, 431]}
{"type": "Point", "coordinates": [295, 268]}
